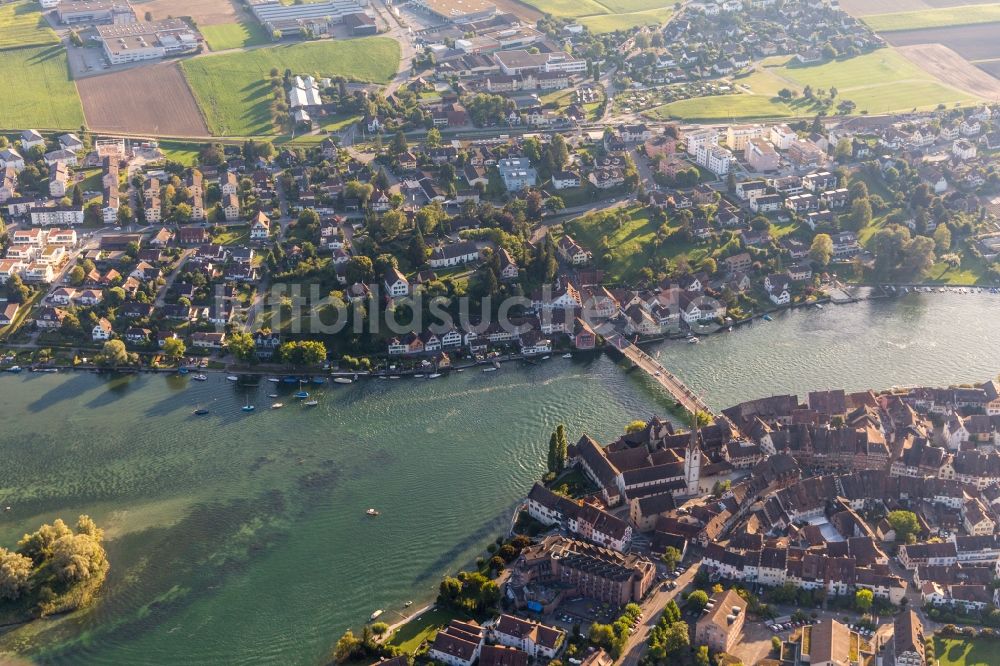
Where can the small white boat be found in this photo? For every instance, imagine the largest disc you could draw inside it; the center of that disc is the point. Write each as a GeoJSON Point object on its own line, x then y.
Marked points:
{"type": "Point", "coordinates": [273, 380]}
{"type": "Point", "coordinates": [546, 357]}
{"type": "Point", "coordinates": [272, 395]}
{"type": "Point", "coordinates": [434, 375]}
{"type": "Point", "coordinates": [374, 616]}
{"type": "Point", "coordinates": [419, 375]}
{"type": "Point", "coordinates": [199, 378]}
{"type": "Point", "coordinates": [394, 377]}
{"type": "Point", "coordinates": [311, 403]}
{"type": "Point", "coordinates": [567, 355]}
{"type": "Point", "coordinates": [407, 604]}
{"type": "Point", "coordinates": [489, 369]}
{"type": "Point", "coordinates": [342, 380]}
{"type": "Point", "coordinates": [233, 378]}
{"type": "Point", "coordinates": [819, 306]}
{"type": "Point", "coordinates": [693, 341]}
{"type": "Point", "coordinates": [372, 512]}
{"type": "Point", "coordinates": [277, 405]}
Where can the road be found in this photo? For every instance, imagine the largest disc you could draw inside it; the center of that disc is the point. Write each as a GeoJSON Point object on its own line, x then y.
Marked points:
{"type": "Point", "coordinates": [652, 609]}
{"type": "Point", "coordinates": [161, 295]}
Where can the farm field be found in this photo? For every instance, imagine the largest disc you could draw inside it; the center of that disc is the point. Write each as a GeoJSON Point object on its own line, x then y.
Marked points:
{"type": "Point", "coordinates": [861, 8]}
{"type": "Point", "coordinates": [164, 104]}
{"type": "Point", "coordinates": [22, 24]}
{"type": "Point", "coordinates": [518, 8]}
{"type": "Point", "coordinates": [943, 63]}
{"type": "Point", "coordinates": [611, 22]}
{"type": "Point", "coordinates": [877, 82]}
{"type": "Point", "coordinates": [232, 90]}
{"type": "Point", "coordinates": [972, 42]}
{"type": "Point", "coordinates": [224, 36]}
{"type": "Point", "coordinates": [934, 18]}
{"type": "Point", "coordinates": [36, 90]}
{"type": "Point", "coordinates": [180, 151]}
{"type": "Point", "coordinates": [204, 12]}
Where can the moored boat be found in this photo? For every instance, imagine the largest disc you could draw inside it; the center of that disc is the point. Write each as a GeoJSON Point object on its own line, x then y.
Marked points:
{"type": "Point", "coordinates": [372, 512]}
{"type": "Point", "coordinates": [277, 405]}
{"type": "Point", "coordinates": [200, 378]}
{"type": "Point", "coordinates": [200, 412]}
{"type": "Point", "coordinates": [374, 616]}
{"type": "Point", "coordinates": [567, 355]}
{"type": "Point", "coordinates": [302, 395]}
{"type": "Point", "coordinates": [273, 380]}
{"type": "Point", "coordinates": [434, 375]}
{"type": "Point", "coordinates": [342, 380]}
{"type": "Point", "coordinates": [311, 403]}
{"type": "Point", "coordinates": [491, 369]}
{"type": "Point", "coordinates": [233, 378]}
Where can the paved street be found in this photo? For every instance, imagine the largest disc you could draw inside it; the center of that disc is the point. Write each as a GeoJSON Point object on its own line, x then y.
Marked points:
{"type": "Point", "coordinates": [652, 609]}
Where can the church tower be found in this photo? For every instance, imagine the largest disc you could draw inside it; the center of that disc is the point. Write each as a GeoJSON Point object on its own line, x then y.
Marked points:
{"type": "Point", "coordinates": [692, 462]}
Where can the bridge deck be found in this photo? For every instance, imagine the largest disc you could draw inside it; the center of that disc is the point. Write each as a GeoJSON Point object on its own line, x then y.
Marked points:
{"type": "Point", "coordinates": [677, 389]}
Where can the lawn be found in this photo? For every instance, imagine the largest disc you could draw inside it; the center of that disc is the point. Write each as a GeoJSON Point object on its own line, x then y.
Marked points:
{"type": "Point", "coordinates": [36, 90]}
{"type": "Point", "coordinates": [22, 24]}
{"type": "Point", "coordinates": [233, 92]}
{"type": "Point", "coordinates": [965, 652]}
{"type": "Point", "coordinates": [180, 151]}
{"type": "Point", "coordinates": [233, 35]}
{"type": "Point", "coordinates": [569, 8]}
{"type": "Point", "coordinates": [632, 6]}
{"type": "Point", "coordinates": [424, 628]}
{"type": "Point", "coordinates": [631, 246]}
{"type": "Point", "coordinates": [934, 18]}
{"type": "Point", "coordinates": [612, 22]}
{"type": "Point", "coordinates": [878, 82]}
{"type": "Point", "coordinates": [725, 107]}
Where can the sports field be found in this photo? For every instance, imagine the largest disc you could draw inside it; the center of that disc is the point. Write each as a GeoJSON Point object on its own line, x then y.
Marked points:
{"type": "Point", "coordinates": [877, 82]}
{"type": "Point", "coordinates": [21, 24]}
{"type": "Point", "coordinates": [966, 652]}
{"type": "Point", "coordinates": [233, 91]}
{"type": "Point", "coordinates": [35, 90]}
{"type": "Point", "coordinates": [224, 36]}
{"type": "Point", "coordinates": [934, 18]}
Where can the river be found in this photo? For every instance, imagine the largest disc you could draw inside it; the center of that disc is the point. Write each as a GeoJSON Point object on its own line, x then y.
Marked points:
{"type": "Point", "coordinates": [242, 538]}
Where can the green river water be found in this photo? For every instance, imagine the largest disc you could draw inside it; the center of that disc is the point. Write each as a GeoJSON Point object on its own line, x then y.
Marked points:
{"type": "Point", "coordinates": [242, 538]}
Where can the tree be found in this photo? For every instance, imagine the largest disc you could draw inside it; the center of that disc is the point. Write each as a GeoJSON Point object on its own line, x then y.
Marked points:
{"type": "Point", "coordinates": [775, 644]}
{"type": "Point", "coordinates": [392, 223]}
{"type": "Point", "coordinates": [77, 557]}
{"type": "Point", "coordinates": [113, 354]}
{"type": "Point", "coordinates": [174, 349]}
{"type": "Point", "coordinates": [821, 250]}
{"type": "Point", "coordinates": [904, 524]}
{"type": "Point", "coordinates": [379, 628]}
{"type": "Point", "coordinates": [303, 353]}
{"type": "Point", "coordinates": [697, 600]}
{"type": "Point", "coordinates": [15, 574]}
{"type": "Point", "coordinates": [671, 557]}
{"type": "Point", "coordinates": [701, 656]}
{"type": "Point", "coordinates": [635, 426]}
{"type": "Point", "coordinates": [38, 545]}
{"type": "Point", "coordinates": [863, 600]}
{"type": "Point", "coordinates": [861, 213]}
{"type": "Point", "coordinates": [346, 647]}
{"type": "Point", "coordinates": [241, 345]}
{"type": "Point", "coordinates": [77, 276]}
{"type": "Point", "coordinates": [433, 138]}
{"type": "Point", "coordinates": [398, 145]}
{"type": "Point", "coordinates": [942, 238]}
{"type": "Point", "coordinates": [557, 449]}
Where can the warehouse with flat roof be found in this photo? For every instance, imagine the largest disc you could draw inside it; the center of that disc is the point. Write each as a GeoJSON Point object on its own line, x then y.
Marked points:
{"type": "Point", "coordinates": [316, 17]}
{"type": "Point", "coordinates": [458, 11]}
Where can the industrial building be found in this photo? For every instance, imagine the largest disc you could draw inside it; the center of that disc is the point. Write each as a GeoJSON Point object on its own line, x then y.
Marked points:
{"type": "Point", "coordinates": [314, 17]}
{"type": "Point", "coordinates": [150, 40]}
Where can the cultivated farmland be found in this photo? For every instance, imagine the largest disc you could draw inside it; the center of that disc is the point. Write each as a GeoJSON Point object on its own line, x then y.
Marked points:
{"type": "Point", "coordinates": [154, 99]}
{"type": "Point", "coordinates": [934, 18]}
{"type": "Point", "coordinates": [868, 7]}
{"type": "Point", "coordinates": [35, 90]}
{"type": "Point", "coordinates": [945, 64]}
{"type": "Point", "coordinates": [204, 12]}
{"type": "Point", "coordinates": [21, 24]}
{"type": "Point", "coordinates": [232, 89]}
{"type": "Point", "coordinates": [972, 42]}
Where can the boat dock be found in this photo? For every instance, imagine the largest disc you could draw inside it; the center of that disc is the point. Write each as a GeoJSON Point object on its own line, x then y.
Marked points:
{"type": "Point", "coordinates": [684, 396]}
